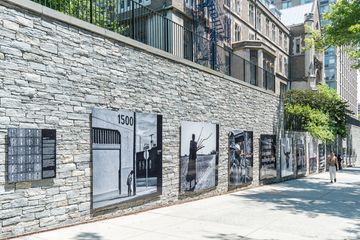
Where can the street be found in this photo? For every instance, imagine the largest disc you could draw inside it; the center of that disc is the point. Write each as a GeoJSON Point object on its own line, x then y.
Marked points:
{"type": "Point", "coordinates": [307, 208]}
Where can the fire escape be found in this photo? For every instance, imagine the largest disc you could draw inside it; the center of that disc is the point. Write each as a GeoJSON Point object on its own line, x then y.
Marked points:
{"type": "Point", "coordinates": [209, 23]}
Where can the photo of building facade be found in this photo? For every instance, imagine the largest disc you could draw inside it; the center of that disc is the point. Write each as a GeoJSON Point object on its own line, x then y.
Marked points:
{"type": "Point", "coordinates": [127, 156]}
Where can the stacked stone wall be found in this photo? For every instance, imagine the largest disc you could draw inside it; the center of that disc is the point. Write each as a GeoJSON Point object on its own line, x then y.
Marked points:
{"type": "Point", "coordinates": [52, 74]}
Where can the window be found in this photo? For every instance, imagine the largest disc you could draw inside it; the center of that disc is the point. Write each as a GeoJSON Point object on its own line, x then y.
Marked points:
{"type": "Point", "coordinates": [238, 6]}
{"type": "Point", "coordinates": [227, 3]}
{"type": "Point", "coordinates": [297, 45]}
{"type": "Point", "coordinates": [251, 14]}
{"type": "Point", "coordinates": [237, 33]}
{"type": "Point", "coordinates": [285, 43]}
{"type": "Point", "coordinates": [251, 36]}
{"type": "Point", "coordinates": [258, 20]}
{"type": "Point", "coordinates": [227, 27]}
{"type": "Point", "coordinates": [188, 3]}
{"type": "Point", "coordinates": [280, 38]}
{"type": "Point", "coordinates": [286, 67]}
{"type": "Point", "coordinates": [305, 1]}
{"type": "Point", "coordinates": [267, 27]}
{"type": "Point", "coordinates": [273, 32]}
{"type": "Point", "coordinates": [280, 64]}
{"type": "Point", "coordinates": [286, 4]}
{"type": "Point", "coordinates": [122, 3]}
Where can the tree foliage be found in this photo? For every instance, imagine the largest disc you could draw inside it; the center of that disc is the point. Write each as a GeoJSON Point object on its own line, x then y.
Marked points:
{"type": "Point", "coordinates": [321, 112]}
{"type": "Point", "coordinates": [343, 29]}
{"type": "Point", "coordinates": [104, 13]}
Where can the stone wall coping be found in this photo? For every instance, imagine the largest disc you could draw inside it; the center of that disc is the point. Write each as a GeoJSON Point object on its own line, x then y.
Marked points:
{"type": "Point", "coordinates": [48, 12]}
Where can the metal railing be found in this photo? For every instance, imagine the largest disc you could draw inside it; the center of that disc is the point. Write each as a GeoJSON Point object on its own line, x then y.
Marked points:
{"type": "Point", "coordinates": [132, 19]}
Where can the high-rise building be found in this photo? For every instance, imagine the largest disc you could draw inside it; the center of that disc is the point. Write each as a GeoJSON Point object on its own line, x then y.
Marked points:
{"type": "Point", "coordinates": [338, 72]}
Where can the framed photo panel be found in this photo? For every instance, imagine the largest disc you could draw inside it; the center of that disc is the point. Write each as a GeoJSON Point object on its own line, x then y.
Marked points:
{"type": "Point", "coordinates": [240, 158]}
{"type": "Point", "coordinates": [127, 156]}
{"type": "Point", "coordinates": [267, 156]}
{"type": "Point", "coordinates": [198, 156]}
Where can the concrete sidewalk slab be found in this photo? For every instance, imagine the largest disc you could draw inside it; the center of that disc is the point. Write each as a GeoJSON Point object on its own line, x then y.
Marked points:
{"type": "Point", "coordinates": [302, 209]}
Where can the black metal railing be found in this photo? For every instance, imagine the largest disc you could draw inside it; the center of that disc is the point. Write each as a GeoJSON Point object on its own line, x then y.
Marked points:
{"type": "Point", "coordinates": [132, 19]}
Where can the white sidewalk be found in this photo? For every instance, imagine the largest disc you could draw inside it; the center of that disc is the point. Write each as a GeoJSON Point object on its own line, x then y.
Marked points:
{"type": "Point", "coordinates": [308, 208]}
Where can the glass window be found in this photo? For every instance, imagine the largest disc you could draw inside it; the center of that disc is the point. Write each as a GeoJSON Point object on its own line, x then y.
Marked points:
{"type": "Point", "coordinates": [227, 27]}
{"type": "Point", "coordinates": [238, 6]}
{"type": "Point", "coordinates": [331, 60]}
{"type": "Point", "coordinates": [285, 43]}
{"type": "Point", "coordinates": [251, 14]}
{"type": "Point", "coordinates": [251, 36]}
{"type": "Point", "coordinates": [188, 3]}
{"type": "Point", "coordinates": [237, 33]}
{"type": "Point", "coordinates": [273, 32]}
{"type": "Point", "coordinates": [297, 45]}
{"type": "Point", "coordinates": [280, 38]}
{"type": "Point", "coordinates": [258, 20]}
{"type": "Point", "coordinates": [267, 27]}
{"type": "Point", "coordinates": [227, 3]}
{"type": "Point", "coordinates": [286, 4]}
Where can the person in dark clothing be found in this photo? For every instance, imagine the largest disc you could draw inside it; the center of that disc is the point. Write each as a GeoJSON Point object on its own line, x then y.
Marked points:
{"type": "Point", "coordinates": [129, 182]}
{"type": "Point", "coordinates": [339, 161]}
{"type": "Point", "coordinates": [191, 174]}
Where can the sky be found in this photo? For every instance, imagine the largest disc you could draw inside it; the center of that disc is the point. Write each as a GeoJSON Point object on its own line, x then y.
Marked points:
{"type": "Point", "coordinates": [146, 125]}
{"type": "Point", "coordinates": [207, 130]}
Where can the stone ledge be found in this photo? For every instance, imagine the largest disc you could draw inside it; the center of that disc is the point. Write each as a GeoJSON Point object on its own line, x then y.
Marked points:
{"type": "Point", "coordinates": [48, 12]}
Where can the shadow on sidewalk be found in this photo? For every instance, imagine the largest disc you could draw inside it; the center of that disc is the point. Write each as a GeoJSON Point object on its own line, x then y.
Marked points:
{"type": "Point", "coordinates": [315, 196]}
{"type": "Point", "coordinates": [88, 236]}
{"type": "Point", "coordinates": [222, 236]}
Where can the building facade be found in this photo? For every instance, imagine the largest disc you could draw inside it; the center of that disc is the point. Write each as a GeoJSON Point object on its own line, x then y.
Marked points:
{"type": "Point", "coordinates": [257, 34]}
{"type": "Point", "coordinates": [337, 65]}
{"type": "Point", "coordinates": [251, 30]}
{"type": "Point", "coordinates": [306, 63]}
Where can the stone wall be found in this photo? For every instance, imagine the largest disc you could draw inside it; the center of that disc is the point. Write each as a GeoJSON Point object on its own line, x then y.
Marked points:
{"type": "Point", "coordinates": [51, 76]}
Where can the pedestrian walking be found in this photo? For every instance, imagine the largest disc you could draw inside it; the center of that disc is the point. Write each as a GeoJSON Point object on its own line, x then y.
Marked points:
{"type": "Point", "coordinates": [333, 164]}
{"type": "Point", "coordinates": [129, 183]}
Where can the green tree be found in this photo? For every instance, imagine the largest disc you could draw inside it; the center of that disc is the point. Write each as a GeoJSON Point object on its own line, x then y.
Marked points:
{"type": "Point", "coordinates": [102, 13]}
{"type": "Point", "coordinates": [343, 29]}
{"type": "Point", "coordinates": [321, 112]}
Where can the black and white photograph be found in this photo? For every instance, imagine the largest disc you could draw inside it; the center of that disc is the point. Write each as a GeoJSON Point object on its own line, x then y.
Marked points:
{"type": "Point", "coordinates": [127, 156]}
{"type": "Point", "coordinates": [322, 159]}
{"type": "Point", "coordinates": [287, 156]}
{"type": "Point", "coordinates": [300, 155]}
{"type": "Point", "coordinates": [312, 156]}
{"type": "Point", "coordinates": [240, 158]}
{"type": "Point", "coordinates": [198, 156]}
{"type": "Point", "coordinates": [267, 156]}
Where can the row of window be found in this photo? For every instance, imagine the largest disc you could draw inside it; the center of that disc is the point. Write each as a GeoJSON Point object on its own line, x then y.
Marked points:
{"type": "Point", "coordinates": [282, 39]}
{"type": "Point", "coordinates": [288, 3]}
{"type": "Point", "coordinates": [283, 65]}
